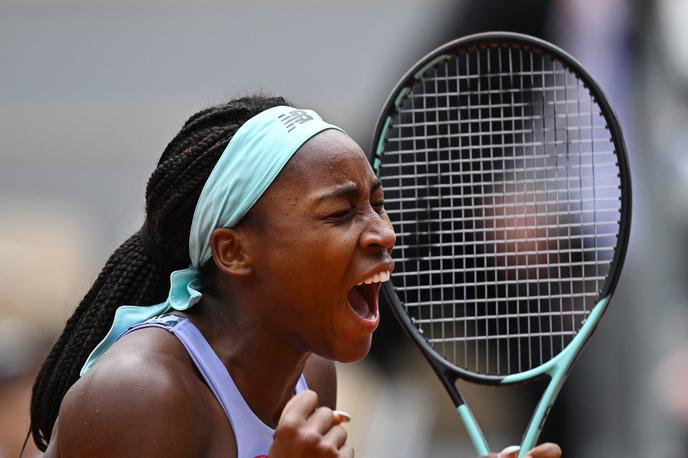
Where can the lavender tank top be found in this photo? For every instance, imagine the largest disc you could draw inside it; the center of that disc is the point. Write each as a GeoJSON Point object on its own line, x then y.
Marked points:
{"type": "Point", "coordinates": [253, 437]}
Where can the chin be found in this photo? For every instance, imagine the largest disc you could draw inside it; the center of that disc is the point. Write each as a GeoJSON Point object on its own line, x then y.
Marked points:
{"type": "Point", "coordinates": [353, 352]}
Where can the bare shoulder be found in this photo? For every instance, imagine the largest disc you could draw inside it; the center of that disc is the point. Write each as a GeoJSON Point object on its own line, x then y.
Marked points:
{"type": "Point", "coordinates": [321, 376]}
{"type": "Point", "coordinates": [142, 393]}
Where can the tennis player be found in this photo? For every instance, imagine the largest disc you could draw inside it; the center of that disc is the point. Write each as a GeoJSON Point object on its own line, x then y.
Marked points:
{"type": "Point", "coordinates": [213, 330]}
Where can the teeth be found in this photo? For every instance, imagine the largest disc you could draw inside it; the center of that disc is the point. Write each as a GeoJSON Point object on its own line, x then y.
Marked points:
{"type": "Point", "coordinates": [377, 278]}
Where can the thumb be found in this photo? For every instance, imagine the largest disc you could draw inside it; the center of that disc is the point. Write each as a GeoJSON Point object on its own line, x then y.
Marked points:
{"type": "Point", "coordinates": [509, 452]}
{"type": "Point", "coordinates": [300, 406]}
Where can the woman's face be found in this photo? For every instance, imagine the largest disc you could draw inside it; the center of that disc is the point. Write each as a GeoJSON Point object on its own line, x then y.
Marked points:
{"type": "Point", "coordinates": [323, 231]}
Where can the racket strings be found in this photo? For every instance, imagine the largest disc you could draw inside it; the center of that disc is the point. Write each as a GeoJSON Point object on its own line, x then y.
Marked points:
{"type": "Point", "coordinates": [502, 183]}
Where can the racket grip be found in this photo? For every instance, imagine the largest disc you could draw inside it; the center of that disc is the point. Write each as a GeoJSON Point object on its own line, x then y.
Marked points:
{"type": "Point", "coordinates": [474, 432]}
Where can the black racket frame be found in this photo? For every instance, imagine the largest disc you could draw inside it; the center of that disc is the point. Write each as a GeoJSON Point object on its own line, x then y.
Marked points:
{"type": "Point", "coordinates": [448, 372]}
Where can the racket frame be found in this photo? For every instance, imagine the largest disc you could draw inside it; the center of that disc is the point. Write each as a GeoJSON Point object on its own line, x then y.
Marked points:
{"type": "Point", "coordinates": [559, 366]}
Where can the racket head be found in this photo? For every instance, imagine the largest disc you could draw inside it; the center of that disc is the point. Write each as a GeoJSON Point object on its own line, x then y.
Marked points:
{"type": "Point", "coordinates": [394, 120]}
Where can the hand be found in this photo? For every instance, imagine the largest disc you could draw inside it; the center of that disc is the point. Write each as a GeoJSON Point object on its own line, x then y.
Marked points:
{"type": "Point", "coordinates": [546, 450]}
{"type": "Point", "coordinates": [308, 431]}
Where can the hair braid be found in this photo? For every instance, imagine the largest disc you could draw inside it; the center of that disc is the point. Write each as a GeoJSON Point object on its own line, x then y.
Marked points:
{"type": "Point", "coordinates": [130, 275]}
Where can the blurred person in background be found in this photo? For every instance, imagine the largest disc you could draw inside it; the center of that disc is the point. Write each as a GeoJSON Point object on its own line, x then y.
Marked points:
{"type": "Point", "coordinates": [664, 83]}
{"type": "Point", "coordinates": [20, 355]}
{"type": "Point", "coordinates": [57, 264]}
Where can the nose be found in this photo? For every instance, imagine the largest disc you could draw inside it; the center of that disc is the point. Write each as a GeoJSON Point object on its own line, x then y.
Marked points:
{"type": "Point", "coordinates": [378, 232]}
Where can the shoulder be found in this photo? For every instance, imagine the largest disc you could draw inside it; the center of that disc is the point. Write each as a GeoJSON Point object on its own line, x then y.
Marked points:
{"type": "Point", "coordinates": [133, 401]}
{"type": "Point", "coordinates": [321, 377]}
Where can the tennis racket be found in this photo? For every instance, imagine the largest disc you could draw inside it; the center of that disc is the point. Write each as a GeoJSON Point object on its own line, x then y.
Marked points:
{"type": "Point", "coordinates": [506, 180]}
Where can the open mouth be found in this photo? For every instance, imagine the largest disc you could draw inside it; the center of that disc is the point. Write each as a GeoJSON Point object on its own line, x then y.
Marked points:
{"type": "Point", "coordinates": [363, 299]}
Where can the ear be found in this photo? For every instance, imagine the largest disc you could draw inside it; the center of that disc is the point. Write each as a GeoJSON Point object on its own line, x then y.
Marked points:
{"type": "Point", "coordinates": [229, 255]}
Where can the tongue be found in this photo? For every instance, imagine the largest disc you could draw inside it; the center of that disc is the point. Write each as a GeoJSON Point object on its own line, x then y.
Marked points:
{"type": "Point", "coordinates": [358, 302]}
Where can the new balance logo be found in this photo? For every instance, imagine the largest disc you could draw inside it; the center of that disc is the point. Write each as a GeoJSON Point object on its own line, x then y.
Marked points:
{"type": "Point", "coordinates": [291, 119]}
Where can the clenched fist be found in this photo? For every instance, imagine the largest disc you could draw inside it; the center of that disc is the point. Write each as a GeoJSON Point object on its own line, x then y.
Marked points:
{"type": "Point", "coordinates": [308, 431]}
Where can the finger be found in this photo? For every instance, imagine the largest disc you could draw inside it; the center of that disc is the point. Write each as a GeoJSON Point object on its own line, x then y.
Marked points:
{"type": "Point", "coordinates": [300, 406]}
{"type": "Point", "coordinates": [509, 452]}
{"type": "Point", "coordinates": [546, 450]}
{"type": "Point", "coordinates": [346, 452]}
{"type": "Point", "coordinates": [341, 417]}
{"type": "Point", "coordinates": [322, 419]}
{"type": "Point", "coordinates": [336, 437]}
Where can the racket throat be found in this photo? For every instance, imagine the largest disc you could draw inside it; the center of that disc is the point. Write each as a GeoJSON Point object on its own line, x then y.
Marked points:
{"type": "Point", "coordinates": [474, 432]}
{"type": "Point", "coordinates": [472, 428]}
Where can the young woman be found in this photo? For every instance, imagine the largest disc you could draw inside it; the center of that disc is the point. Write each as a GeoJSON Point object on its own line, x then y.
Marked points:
{"type": "Point", "coordinates": [212, 331]}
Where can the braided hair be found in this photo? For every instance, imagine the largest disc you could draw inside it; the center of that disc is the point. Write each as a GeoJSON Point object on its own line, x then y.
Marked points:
{"type": "Point", "coordinates": [132, 275]}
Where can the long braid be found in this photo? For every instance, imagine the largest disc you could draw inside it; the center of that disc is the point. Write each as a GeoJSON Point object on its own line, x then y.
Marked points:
{"type": "Point", "coordinates": [131, 276]}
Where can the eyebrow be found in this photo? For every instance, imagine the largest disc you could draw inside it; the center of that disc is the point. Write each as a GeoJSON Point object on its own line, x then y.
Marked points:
{"type": "Point", "coordinates": [346, 190]}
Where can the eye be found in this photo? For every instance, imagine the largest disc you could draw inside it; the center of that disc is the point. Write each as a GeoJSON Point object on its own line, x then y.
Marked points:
{"type": "Point", "coordinates": [378, 206]}
{"type": "Point", "coordinates": [341, 213]}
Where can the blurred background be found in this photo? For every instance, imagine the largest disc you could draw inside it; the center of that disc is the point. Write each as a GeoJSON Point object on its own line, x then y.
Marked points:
{"type": "Point", "coordinates": [92, 91]}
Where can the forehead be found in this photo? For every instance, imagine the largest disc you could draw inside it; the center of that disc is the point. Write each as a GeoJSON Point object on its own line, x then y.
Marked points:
{"type": "Point", "coordinates": [329, 158]}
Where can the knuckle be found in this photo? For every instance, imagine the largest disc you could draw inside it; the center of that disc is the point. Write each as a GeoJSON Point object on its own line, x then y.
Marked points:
{"type": "Point", "coordinates": [341, 432]}
{"type": "Point", "coordinates": [310, 438]}
{"type": "Point", "coordinates": [310, 395]}
{"type": "Point", "coordinates": [323, 410]}
{"type": "Point", "coordinates": [555, 450]}
{"type": "Point", "coordinates": [326, 451]}
{"type": "Point", "coordinates": [287, 428]}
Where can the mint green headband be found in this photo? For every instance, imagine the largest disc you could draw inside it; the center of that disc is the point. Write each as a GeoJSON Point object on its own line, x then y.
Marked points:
{"type": "Point", "coordinates": [250, 163]}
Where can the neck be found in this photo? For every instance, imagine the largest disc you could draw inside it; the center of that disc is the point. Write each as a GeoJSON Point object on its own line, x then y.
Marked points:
{"type": "Point", "coordinates": [264, 369]}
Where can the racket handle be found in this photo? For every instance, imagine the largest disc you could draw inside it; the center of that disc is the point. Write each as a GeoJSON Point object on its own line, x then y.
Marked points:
{"type": "Point", "coordinates": [474, 432]}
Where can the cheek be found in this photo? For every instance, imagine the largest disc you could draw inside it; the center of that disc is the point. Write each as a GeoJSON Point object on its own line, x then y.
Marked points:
{"type": "Point", "coordinates": [309, 262]}
{"type": "Point", "coordinates": [327, 262]}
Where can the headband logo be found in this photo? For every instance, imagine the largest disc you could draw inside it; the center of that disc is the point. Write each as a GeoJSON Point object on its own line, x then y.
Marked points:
{"type": "Point", "coordinates": [293, 118]}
